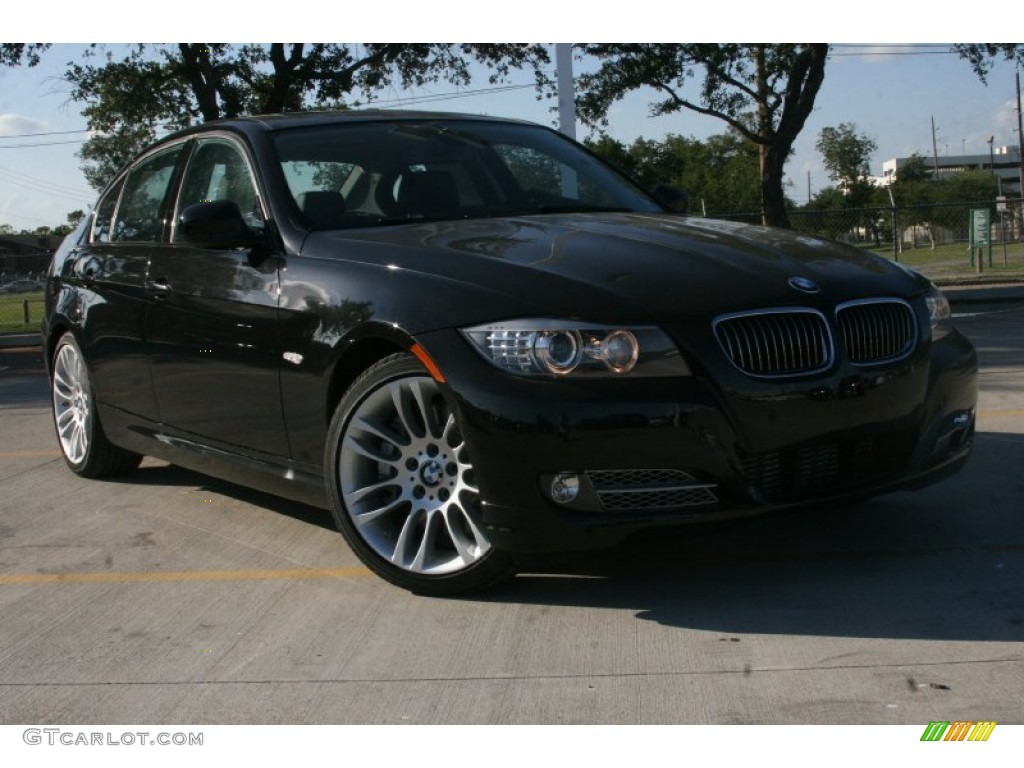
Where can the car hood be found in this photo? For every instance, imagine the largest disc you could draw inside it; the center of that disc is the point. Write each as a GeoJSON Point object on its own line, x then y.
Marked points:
{"type": "Point", "coordinates": [626, 267]}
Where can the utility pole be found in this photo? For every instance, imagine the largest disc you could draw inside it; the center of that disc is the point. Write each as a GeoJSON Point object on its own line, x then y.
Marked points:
{"type": "Point", "coordinates": [566, 90]}
{"type": "Point", "coordinates": [566, 112]}
{"type": "Point", "coordinates": [992, 164]}
{"type": "Point", "coordinates": [935, 150]}
{"type": "Point", "coordinates": [1020, 142]}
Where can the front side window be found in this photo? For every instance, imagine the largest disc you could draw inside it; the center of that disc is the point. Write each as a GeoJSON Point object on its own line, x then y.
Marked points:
{"type": "Point", "coordinates": [218, 172]}
{"type": "Point", "coordinates": [141, 215]}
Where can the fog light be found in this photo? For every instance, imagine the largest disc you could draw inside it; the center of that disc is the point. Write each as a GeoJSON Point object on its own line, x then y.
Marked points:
{"type": "Point", "coordinates": [565, 487]}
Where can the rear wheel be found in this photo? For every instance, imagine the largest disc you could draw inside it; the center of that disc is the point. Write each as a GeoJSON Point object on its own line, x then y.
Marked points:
{"type": "Point", "coordinates": [85, 447]}
{"type": "Point", "coordinates": [400, 479]}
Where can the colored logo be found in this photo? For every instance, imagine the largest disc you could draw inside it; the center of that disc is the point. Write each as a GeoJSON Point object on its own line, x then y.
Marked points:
{"type": "Point", "coordinates": [958, 730]}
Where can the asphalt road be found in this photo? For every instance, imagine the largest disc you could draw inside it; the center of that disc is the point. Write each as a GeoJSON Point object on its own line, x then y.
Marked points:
{"type": "Point", "coordinates": [168, 597]}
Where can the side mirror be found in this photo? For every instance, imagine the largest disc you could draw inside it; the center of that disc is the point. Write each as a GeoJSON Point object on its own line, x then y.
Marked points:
{"type": "Point", "coordinates": [674, 199]}
{"type": "Point", "coordinates": [216, 225]}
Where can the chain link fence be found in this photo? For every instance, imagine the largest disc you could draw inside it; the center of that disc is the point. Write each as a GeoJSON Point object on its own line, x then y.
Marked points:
{"type": "Point", "coordinates": [935, 238]}
{"type": "Point", "coordinates": [21, 291]}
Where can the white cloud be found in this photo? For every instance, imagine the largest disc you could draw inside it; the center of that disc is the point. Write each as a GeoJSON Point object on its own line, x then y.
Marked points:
{"type": "Point", "coordinates": [17, 125]}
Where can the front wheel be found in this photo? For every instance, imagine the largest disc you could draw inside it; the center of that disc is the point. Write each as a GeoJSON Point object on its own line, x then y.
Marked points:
{"type": "Point", "coordinates": [401, 484]}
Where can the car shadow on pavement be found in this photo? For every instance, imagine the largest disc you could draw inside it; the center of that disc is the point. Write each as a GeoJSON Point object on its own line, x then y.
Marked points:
{"type": "Point", "coordinates": [170, 475]}
{"type": "Point", "coordinates": [943, 563]}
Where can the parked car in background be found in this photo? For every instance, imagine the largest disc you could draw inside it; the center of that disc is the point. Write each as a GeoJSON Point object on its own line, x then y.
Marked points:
{"type": "Point", "coordinates": [470, 339]}
{"type": "Point", "coordinates": [22, 286]}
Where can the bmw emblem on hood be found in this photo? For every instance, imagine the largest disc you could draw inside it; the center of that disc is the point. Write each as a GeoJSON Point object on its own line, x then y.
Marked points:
{"type": "Point", "coordinates": [804, 284]}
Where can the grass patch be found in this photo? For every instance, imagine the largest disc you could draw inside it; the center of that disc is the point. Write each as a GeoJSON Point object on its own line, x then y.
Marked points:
{"type": "Point", "coordinates": [12, 312]}
{"type": "Point", "coordinates": [955, 258]}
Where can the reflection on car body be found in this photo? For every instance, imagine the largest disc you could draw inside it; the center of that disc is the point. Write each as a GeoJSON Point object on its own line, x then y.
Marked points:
{"type": "Point", "coordinates": [471, 339]}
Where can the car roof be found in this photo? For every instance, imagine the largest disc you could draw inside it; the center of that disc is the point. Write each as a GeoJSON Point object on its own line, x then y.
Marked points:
{"type": "Point", "coordinates": [286, 120]}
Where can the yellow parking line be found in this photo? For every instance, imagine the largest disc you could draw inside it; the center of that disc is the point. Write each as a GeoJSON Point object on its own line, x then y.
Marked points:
{"type": "Point", "coordinates": [128, 577]}
{"type": "Point", "coordinates": [1002, 414]}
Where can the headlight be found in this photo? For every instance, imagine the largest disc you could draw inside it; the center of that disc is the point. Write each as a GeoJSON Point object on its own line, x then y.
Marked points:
{"type": "Point", "coordinates": [939, 313]}
{"type": "Point", "coordinates": [560, 347]}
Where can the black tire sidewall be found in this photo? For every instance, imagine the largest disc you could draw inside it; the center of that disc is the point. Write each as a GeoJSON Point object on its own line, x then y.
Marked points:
{"type": "Point", "coordinates": [101, 456]}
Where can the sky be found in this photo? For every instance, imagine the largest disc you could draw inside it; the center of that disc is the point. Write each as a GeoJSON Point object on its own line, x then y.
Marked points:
{"type": "Point", "coordinates": [889, 90]}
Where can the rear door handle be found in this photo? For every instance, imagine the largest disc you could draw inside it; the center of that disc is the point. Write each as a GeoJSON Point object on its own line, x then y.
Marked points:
{"type": "Point", "coordinates": [158, 287]}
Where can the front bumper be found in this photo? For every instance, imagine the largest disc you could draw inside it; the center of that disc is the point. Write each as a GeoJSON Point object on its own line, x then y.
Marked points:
{"type": "Point", "coordinates": [741, 446]}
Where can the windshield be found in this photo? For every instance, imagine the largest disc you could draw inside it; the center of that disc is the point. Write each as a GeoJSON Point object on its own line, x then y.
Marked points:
{"type": "Point", "coordinates": [366, 174]}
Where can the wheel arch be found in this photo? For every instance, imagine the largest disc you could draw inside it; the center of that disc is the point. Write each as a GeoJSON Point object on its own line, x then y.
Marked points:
{"type": "Point", "coordinates": [58, 327]}
{"type": "Point", "coordinates": [360, 354]}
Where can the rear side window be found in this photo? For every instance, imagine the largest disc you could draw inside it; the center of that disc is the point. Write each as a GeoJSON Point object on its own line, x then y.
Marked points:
{"type": "Point", "coordinates": [141, 215]}
{"type": "Point", "coordinates": [103, 218]}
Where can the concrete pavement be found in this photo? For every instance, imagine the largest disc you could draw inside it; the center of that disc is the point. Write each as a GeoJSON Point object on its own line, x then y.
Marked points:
{"type": "Point", "coordinates": [169, 597]}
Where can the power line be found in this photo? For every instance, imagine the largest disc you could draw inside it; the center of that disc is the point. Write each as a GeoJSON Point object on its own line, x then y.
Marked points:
{"type": "Point", "coordinates": [40, 144]}
{"type": "Point", "coordinates": [406, 100]}
{"type": "Point", "coordinates": [898, 53]}
{"type": "Point", "coordinates": [896, 49]}
{"type": "Point", "coordinates": [7, 214]}
{"type": "Point", "coordinates": [18, 175]}
{"type": "Point", "coordinates": [449, 95]}
{"type": "Point", "coordinates": [45, 133]}
{"type": "Point", "coordinates": [42, 190]}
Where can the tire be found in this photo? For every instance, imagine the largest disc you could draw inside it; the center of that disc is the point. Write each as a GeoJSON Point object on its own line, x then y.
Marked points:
{"type": "Point", "coordinates": [401, 484]}
{"type": "Point", "coordinates": [83, 444]}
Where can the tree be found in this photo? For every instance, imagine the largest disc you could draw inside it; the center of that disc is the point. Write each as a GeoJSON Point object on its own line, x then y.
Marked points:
{"type": "Point", "coordinates": [846, 154]}
{"type": "Point", "coordinates": [720, 174]}
{"type": "Point", "coordinates": [981, 55]}
{"type": "Point", "coordinates": [847, 158]}
{"type": "Point", "coordinates": [764, 92]}
{"type": "Point", "coordinates": [74, 219]}
{"type": "Point", "coordinates": [131, 99]}
{"type": "Point", "coordinates": [13, 54]}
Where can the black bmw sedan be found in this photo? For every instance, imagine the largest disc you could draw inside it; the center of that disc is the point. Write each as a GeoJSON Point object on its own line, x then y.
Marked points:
{"type": "Point", "coordinates": [471, 339]}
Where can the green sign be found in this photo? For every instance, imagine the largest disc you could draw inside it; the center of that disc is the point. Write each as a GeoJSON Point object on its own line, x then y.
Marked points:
{"type": "Point", "coordinates": [981, 227]}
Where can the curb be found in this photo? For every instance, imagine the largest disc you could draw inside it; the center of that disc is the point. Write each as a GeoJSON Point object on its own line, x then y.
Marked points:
{"type": "Point", "coordinates": [983, 293]}
{"type": "Point", "coordinates": [21, 340]}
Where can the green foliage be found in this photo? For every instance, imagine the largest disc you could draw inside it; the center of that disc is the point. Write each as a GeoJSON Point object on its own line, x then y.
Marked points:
{"type": "Point", "coordinates": [981, 56]}
{"type": "Point", "coordinates": [130, 100]}
{"type": "Point", "coordinates": [764, 92]}
{"type": "Point", "coordinates": [13, 54]}
{"type": "Point", "coordinates": [915, 169]}
{"type": "Point", "coordinates": [721, 174]}
{"type": "Point", "coordinates": [74, 218]}
{"type": "Point", "coordinates": [846, 154]}
{"type": "Point", "coordinates": [831, 218]}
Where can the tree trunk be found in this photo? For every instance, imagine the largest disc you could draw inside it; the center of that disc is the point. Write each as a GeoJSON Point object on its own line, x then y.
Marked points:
{"type": "Point", "coordinates": [773, 200]}
{"type": "Point", "coordinates": [283, 78]}
{"type": "Point", "coordinates": [195, 58]}
{"type": "Point", "coordinates": [801, 89]}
